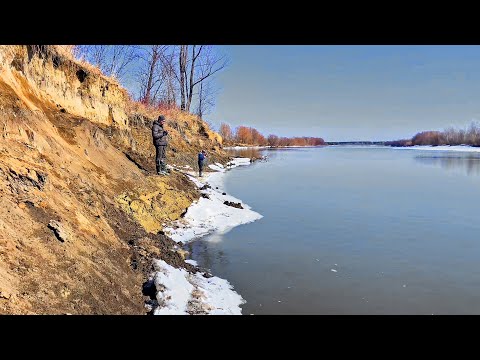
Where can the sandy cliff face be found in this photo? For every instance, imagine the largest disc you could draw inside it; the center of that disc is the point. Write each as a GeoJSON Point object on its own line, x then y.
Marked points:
{"type": "Point", "coordinates": [81, 212]}
{"type": "Point", "coordinates": [63, 83]}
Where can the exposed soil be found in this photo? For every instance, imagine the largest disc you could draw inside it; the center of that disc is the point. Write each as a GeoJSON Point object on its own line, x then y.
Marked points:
{"type": "Point", "coordinates": [81, 211]}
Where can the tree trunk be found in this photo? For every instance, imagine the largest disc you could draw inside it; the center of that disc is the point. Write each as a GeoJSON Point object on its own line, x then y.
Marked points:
{"type": "Point", "coordinates": [183, 64]}
{"type": "Point", "coordinates": [151, 74]}
{"type": "Point", "coordinates": [200, 100]}
{"type": "Point", "coordinates": [170, 93]}
{"type": "Point", "coordinates": [191, 82]}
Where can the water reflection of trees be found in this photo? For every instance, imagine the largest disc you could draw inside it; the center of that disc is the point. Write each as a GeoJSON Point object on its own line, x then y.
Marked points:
{"type": "Point", "coordinates": [469, 164]}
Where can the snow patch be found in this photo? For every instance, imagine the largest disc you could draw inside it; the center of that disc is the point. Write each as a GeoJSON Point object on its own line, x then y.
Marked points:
{"type": "Point", "coordinates": [182, 293]}
{"type": "Point", "coordinates": [173, 289]}
{"type": "Point", "coordinates": [206, 216]}
{"type": "Point", "coordinates": [239, 162]}
{"type": "Point", "coordinates": [215, 167]}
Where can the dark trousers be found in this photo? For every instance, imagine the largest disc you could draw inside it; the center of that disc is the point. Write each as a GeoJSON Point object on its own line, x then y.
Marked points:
{"type": "Point", "coordinates": [200, 168]}
{"type": "Point", "coordinates": [160, 157]}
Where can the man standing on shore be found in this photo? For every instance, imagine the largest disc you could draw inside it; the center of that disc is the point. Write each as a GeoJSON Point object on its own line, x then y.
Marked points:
{"type": "Point", "coordinates": [160, 141]}
{"type": "Point", "coordinates": [201, 158]}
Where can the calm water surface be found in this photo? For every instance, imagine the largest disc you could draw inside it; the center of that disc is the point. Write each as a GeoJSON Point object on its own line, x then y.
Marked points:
{"type": "Point", "coordinates": [354, 230]}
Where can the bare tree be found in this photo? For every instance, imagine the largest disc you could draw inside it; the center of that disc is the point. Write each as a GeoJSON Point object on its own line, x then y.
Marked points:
{"type": "Point", "coordinates": [473, 134]}
{"type": "Point", "coordinates": [451, 135]}
{"type": "Point", "coordinates": [273, 140]}
{"type": "Point", "coordinates": [94, 54]}
{"type": "Point", "coordinates": [165, 74]}
{"type": "Point", "coordinates": [169, 75]}
{"type": "Point", "coordinates": [150, 74]}
{"type": "Point", "coordinates": [226, 132]}
{"type": "Point", "coordinates": [206, 98]}
{"type": "Point", "coordinates": [112, 60]}
{"type": "Point", "coordinates": [196, 64]}
{"type": "Point", "coordinates": [120, 57]}
{"type": "Point", "coordinates": [182, 63]}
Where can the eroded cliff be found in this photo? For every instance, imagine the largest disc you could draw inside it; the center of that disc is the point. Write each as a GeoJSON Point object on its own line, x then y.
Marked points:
{"type": "Point", "coordinates": [81, 211]}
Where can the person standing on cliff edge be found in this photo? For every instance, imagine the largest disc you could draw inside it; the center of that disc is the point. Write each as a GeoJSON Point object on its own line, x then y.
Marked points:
{"type": "Point", "coordinates": [160, 141]}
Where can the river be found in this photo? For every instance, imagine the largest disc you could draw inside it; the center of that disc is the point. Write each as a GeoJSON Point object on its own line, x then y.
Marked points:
{"type": "Point", "coordinates": [353, 230]}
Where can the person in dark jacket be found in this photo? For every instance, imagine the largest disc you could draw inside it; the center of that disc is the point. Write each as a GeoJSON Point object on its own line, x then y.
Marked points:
{"type": "Point", "coordinates": [160, 141]}
{"type": "Point", "coordinates": [201, 160]}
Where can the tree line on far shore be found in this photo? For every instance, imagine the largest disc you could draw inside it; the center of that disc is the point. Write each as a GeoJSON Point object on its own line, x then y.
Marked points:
{"type": "Point", "coordinates": [244, 135]}
{"type": "Point", "coordinates": [450, 136]}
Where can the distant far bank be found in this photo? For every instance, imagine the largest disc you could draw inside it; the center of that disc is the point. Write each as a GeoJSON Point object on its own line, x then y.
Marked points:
{"type": "Point", "coordinates": [241, 147]}
{"type": "Point", "coordinates": [243, 137]}
{"type": "Point", "coordinates": [355, 142]}
{"type": "Point", "coordinates": [404, 144]}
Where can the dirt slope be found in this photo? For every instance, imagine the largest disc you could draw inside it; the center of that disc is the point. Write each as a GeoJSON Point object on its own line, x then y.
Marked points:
{"type": "Point", "coordinates": [81, 213]}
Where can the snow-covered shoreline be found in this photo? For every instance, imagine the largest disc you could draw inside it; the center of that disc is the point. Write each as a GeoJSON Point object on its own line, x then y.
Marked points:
{"type": "Point", "coordinates": [209, 215]}
{"type": "Point", "coordinates": [182, 293]}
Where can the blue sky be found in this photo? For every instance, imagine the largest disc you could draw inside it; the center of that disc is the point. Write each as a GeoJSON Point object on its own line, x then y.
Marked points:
{"type": "Point", "coordinates": [349, 92]}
